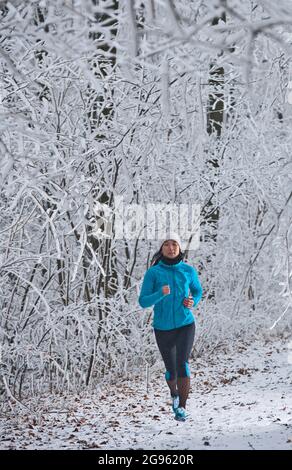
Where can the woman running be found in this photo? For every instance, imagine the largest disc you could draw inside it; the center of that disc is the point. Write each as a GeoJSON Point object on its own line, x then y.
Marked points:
{"type": "Point", "coordinates": [166, 285]}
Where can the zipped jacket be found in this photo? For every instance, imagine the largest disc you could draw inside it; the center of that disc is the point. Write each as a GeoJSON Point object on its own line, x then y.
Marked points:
{"type": "Point", "coordinates": [169, 310]}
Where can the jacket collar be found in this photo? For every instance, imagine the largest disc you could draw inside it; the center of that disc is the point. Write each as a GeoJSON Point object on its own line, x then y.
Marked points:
{"type": "Point", "coordinates": [170, 266]}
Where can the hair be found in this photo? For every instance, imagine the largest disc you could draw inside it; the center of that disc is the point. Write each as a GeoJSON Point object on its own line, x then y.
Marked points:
{"type": "Point", "coordinates": [156, 257]}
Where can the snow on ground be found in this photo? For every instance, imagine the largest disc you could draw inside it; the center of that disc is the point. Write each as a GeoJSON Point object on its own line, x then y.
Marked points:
{"type": "Point", "coordinates": [241, 400]}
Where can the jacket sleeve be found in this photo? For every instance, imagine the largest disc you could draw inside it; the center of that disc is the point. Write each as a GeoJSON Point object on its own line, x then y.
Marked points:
{"type": "Point", "coordinates": [196, 288]}
{"type": "Point", "coordinates": [147, 295]}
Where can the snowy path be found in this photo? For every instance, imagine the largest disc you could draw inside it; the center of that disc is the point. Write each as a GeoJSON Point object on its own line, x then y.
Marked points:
{"type": "Point", "coordinates": [238, 402]}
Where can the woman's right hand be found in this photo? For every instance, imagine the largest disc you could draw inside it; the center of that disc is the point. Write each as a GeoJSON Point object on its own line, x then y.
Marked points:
{"type": "Point", "coordinates": [166, 289]}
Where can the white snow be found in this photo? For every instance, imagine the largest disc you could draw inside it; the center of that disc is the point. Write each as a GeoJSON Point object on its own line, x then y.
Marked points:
{"type": "Point", "coordinates": [239, 400]}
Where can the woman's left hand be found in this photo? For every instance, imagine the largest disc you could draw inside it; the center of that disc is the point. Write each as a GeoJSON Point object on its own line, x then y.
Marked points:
{"type": "Point", "coordinates": [188, 302]}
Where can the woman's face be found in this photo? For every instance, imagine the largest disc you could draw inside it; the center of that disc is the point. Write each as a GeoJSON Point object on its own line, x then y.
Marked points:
{"type": "Point", "coordinates": [170, 249]}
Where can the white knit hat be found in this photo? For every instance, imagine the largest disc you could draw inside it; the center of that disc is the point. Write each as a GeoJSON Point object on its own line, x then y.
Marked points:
{"type": "Point", "coordinates": [172, 236]}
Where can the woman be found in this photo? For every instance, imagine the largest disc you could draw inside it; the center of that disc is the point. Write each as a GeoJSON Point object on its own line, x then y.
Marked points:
{"type": "Point", "coordinates": [166, 285]}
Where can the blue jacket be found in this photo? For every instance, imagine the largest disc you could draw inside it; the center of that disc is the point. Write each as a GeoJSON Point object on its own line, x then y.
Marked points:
{"type": "Point", "coordinates": [169, 310]}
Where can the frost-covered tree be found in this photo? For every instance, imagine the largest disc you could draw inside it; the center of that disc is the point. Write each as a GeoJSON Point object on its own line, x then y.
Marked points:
{"type": "Point", "coordinates": [159, 102]}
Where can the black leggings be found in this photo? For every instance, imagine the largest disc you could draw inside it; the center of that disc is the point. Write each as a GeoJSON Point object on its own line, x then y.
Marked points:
{"type": "Point", "coordinates": [175, 348]}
